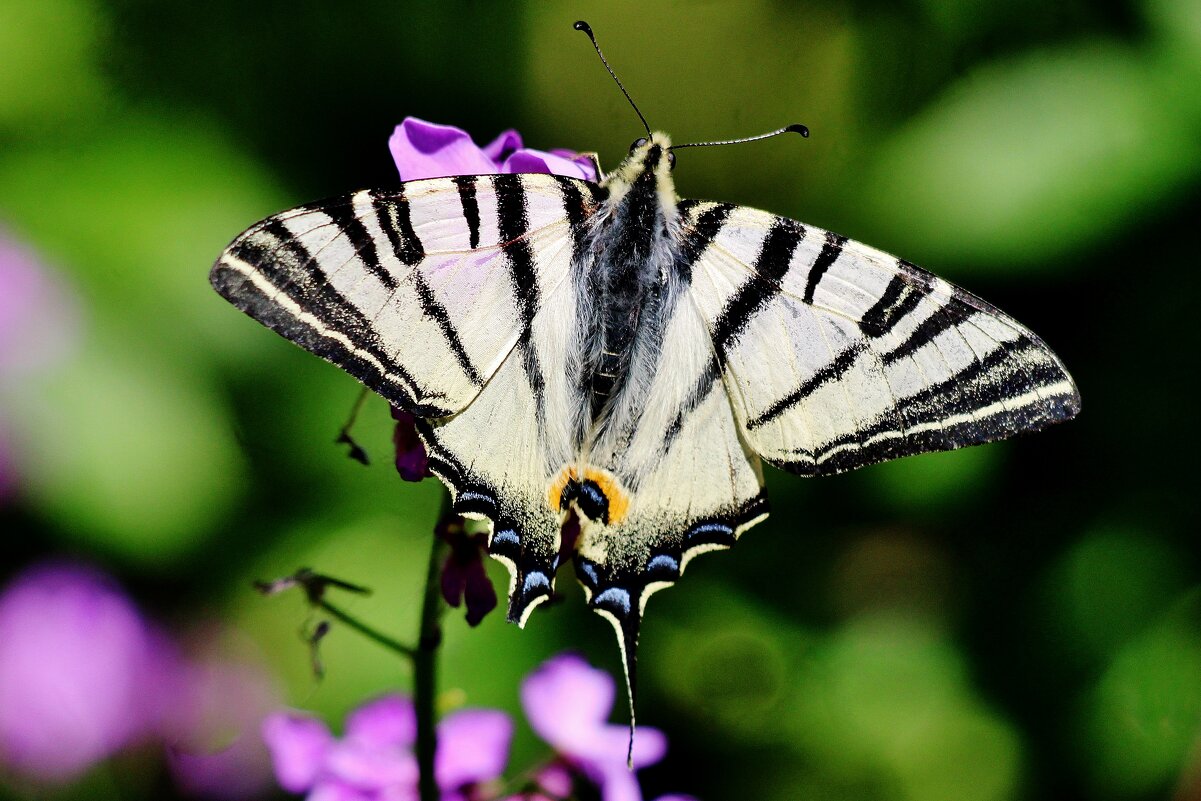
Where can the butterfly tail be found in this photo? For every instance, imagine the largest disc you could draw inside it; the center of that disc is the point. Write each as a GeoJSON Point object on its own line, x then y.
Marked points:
{"type": "Point", "coordinates": [623, 609]}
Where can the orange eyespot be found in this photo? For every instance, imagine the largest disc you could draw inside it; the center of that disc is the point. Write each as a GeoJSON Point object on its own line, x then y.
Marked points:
{"type": "Point", "coordinates": [599, 496]}
{"type": "Point", "coordinates": [619, 501]}
{"type": "Point", "coordinates": [554, 493]}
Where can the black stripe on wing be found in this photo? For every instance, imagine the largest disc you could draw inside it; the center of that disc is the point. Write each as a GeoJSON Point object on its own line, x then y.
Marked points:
{"type": "Point", "coordinates": [902, 295]}
{"type": "Point", "coordinates": [833, 371]}
{"type": "Point", "coordinates": [699, 233]}
{"type": "Point", "coordinates": [471, 207]}
{"type": "Point", "coordinates": [392, 215]}
{"type": "Point", "coordinates": [512, 217]}
{"type": "Point", "coordinates": [773, 261]}
{"type": "Point", "coordinates": [829, 254]}
{"type": "Point", "coordinates": [976, 405]}
{"type": "Point", "coordinates": [338, 332]}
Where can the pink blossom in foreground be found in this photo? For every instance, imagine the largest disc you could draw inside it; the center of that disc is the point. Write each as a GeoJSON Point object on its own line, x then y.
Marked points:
{"type": "Point", "coordinates": [568, 703]}
{"type": "Point", "coordinates": [82, 675]}
{"type": "Point", "coordinates": [374, 758]}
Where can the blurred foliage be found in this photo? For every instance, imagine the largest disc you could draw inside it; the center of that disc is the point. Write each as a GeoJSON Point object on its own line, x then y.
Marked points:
{"type": "Point", "coordinates": [1012, 621]}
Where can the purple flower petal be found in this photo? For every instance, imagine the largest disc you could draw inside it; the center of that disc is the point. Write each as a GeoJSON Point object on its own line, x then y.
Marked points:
{"type": "Point", "coordinates": [555, 779]}
{"type": "Point", "coordinates": [387, 722]}
{"type": "Point", "coordinates": [586, 164]}
{"type": "Point", "coordinates": [463, 576]}
{"type": "Point", "coordinates": [473, 747]}
{"type": "Point", "coordinates": [299, 747]}
{"type": "Point", "coordinates": [612, 744]}
{"type": "Point", "coordinates": [412, 461]}
{"type": "Point", "coordinates": [77, 664]}
{"type": "Point", "coordinates": [478, 592]}
{"type": "Point", "coordinates": [369, 765]}
{"type": "Point", "coordinates": [566, 702]}
{"type": "Point", "coordinates": [341, 791]}
{"type": "Point", "coordinates": [503, 146]}
{"type": "Point", "coordinates": [619, 784]}
{"type": "Point", "coordinates": [426, 150]}
{"type": "Point", "coordinates": [453, 581]}
{"type": "Point", "coordinates": [539, 161]}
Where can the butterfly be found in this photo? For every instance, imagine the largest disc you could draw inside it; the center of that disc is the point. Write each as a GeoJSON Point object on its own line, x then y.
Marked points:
{"type": "Point", "coordinates": [608, 350]}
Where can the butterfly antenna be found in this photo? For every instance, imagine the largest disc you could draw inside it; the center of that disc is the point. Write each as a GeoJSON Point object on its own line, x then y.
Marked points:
{"type": "Point", "coordinates": [796, 128]}
{"type": "Point", "coordinates": [586, 28]}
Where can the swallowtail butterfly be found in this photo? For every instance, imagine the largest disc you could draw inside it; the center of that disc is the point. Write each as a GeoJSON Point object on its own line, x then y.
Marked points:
{"type": "Point", "coordinates": [611, 349]}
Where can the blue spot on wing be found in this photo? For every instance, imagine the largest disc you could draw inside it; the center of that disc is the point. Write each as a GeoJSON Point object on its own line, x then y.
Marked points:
{"type": "Point", "coordinates": [505, 536]}
{"type": "Point", "coordinates": [535, 580]}
{"type": "Point", "coordinates": [614, 599]}
{"type": "Point", "coordinates": [663, 563]}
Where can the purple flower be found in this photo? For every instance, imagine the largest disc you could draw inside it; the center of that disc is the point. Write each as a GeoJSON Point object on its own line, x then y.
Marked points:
{"type": "Point", "coordinates": [427, 150]}
{"type": "Point", "coordinates": [463, 576]}
{"type": "Point", "coordinates": [412, 462]}
{"type": "Point", "coordinates": [373, 761]}
{"type": "Point", "coordinates": [81, 673]}
{"type": "Point", "coordinates": [567, 704]}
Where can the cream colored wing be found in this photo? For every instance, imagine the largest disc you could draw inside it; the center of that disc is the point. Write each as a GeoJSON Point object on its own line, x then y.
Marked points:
{"type": "Point", "coordinates": [837, 355]}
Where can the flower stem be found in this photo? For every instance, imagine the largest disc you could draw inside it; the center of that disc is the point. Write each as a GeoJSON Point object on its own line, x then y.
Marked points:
{"type": "Point", "coordinates": [362, 628]}
{"type": "Point", "coordinates": [425, 674]}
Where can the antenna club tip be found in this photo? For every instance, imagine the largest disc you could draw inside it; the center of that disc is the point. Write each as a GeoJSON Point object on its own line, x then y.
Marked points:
{"type": "Point", "coordinates": [580, 25]}
{"type": "Point", "coordinates": [798, 128]}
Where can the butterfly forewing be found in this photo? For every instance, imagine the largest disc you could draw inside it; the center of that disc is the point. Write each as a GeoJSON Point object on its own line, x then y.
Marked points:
{"type": "Point", "coordinates": [405, 289]}
{"type": "Point", "coordinates": [837, 355]}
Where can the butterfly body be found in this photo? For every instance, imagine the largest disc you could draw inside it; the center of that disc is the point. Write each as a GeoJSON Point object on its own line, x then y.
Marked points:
{"type": "Point", "coordinates": [610, 350]}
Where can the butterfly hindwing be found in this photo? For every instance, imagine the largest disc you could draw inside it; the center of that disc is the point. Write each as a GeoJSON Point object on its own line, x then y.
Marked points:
{"type": "Point", "coordinates": [837, 355]}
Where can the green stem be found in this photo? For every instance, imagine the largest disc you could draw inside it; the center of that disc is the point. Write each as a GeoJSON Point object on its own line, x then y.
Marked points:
{"type": "Point", "coordinates": [362, 628]}
{"type": "Point", "coordinates": [425, 674]}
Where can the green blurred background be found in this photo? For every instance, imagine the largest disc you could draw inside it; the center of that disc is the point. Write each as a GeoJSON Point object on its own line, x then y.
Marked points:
{"type": "Point", "coordinates": [1019, 620]}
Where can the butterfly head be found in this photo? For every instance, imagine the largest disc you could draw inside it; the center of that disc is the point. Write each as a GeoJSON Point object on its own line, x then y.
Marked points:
{"type": "Point", "coordinates": [651, 160]}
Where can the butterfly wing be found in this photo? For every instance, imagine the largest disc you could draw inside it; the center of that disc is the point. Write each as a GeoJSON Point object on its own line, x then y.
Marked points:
{"type": "Point", "coordinates": [837, 355]}
{"type": "Point", "coordinates": [450, 298]}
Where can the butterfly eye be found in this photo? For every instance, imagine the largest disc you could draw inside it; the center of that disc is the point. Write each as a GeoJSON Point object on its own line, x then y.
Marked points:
{"type": "Point", "coordinates": [639, 142]}
{"type": "Point", "coordinates": [671, 160]}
